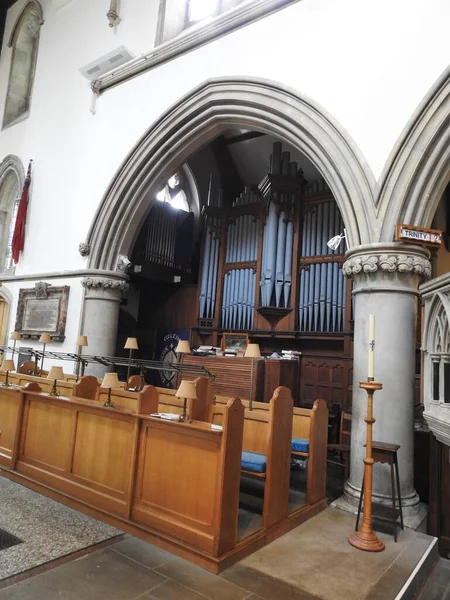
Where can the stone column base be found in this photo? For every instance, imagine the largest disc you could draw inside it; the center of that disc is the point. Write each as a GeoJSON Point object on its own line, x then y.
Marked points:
{"type": "Point", "coordinates": [414, 511]}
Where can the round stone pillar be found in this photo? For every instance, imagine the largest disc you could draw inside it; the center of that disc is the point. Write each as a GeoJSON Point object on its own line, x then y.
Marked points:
{"type": "Point", "coordinates": [386, 278]}
{"type": "Point", "coordinates": [101, 317]}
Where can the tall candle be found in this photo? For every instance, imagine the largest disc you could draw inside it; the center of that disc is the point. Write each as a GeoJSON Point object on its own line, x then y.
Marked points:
{"type": "Point", "coordinates": [371, 370]}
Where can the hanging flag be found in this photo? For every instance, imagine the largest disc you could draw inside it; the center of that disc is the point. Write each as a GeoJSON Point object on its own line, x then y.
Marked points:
{"type": "Point", "coordinates": [18, 240]}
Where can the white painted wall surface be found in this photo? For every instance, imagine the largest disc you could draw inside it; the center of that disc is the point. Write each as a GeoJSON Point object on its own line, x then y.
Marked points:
{"type": "Point", "coordinates": [369, 64]}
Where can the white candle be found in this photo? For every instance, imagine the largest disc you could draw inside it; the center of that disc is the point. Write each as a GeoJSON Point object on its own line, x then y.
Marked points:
{"type": "Point", "coordinates": [371, 370]}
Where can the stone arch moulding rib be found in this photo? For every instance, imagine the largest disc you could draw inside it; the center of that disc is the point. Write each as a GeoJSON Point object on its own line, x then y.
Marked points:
{"type": "Point", "coordinates": [13, 163]}
{"type": "Point", "coordinates": [202, 115]}
{"type": "Point", "coordinates": [33, 5]}
{"type": "Point", "coordinates": [414, 179]}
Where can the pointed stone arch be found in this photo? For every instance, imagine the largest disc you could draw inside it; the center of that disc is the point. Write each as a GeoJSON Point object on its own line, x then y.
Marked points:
{"type": "Point", "coordinates": [416, 176]}
{"type": "Point", "coordinates": [199, 117]}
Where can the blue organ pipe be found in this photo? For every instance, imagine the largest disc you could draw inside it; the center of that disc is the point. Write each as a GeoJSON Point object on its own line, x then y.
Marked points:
{"type": "Point", "coordinates": [234, 291]}
{"type": "Point", "coordinates": [269, 275]}
{"type": "Point", "coordinates": [311, 297]}
{"type": "Point", "coordinates": [323, 287]}
{"type": "Point", "coordinates": [344, 298]}
{"type": "Point", "coordinates": [335, 295]}
{"type": "Point", "coordinates": [316, 296]}
{"type": "Point", "coordinates": [329, 295]}
{"type": "Point", "coordinates": [240, 291]}
{"type": "Point", "coordinates": [250, 297]}
{"type": "Point", "coordinates": [210, 274]}
{"type": "Point", "coordinates": [224, 296]}
{"type": "Point", "coordinates": [245, 298]}
{"type": "Point", "coordinates": [252, 300]}
{"type": "Point", "coordinates": [339, 300]}
{"type": "Point", "coordinates": [214, 278]}
{"type": "Point", "coordinates": [204, 284]}
{"type": "Point", "coordinates": [227, 300]}
{"type": "Point", "coordinates": [246, 239]}
{"type": "Point", "coordinates": [264, 285]}
{"type": "Point", "coordinates": [239, 240]}
{"type": "Point", "coordinates": [281, 248]}
{"type": "Point", "coordinates": [288, 262]}
{"type": "Point", "coordinates": [300, 300]}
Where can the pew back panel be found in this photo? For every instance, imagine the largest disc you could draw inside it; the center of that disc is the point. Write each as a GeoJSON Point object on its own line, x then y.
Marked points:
{"type": "Point", "coordinates": [84, 449]}
{"type": "Point", "coordinates": [188, 494]}
{"type": "Point", "coordinates": [9, 421]}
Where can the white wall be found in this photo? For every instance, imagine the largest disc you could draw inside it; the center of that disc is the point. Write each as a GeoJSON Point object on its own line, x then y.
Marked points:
{"type": "Point", "coordinates": [368, 64]}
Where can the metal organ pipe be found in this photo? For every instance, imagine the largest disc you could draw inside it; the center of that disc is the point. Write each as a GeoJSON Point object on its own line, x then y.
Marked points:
{"type": "Point", "coordinates": [322, 286]}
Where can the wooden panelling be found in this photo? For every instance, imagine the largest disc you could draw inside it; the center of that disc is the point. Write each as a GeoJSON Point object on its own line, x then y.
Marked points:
{"type": "Point", "coordinates": [103, 451]}
{"type": "Point", "coordinates": [9, 416]}
{"type": "Point", "coordinates": [48, 434]}
{"type": "Point", "coordinates": [326, 378]}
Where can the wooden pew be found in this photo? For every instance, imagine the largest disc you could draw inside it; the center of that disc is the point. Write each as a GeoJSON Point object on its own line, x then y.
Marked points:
{"type": "Point", "coordinates": [308, 425]}
{"type": "Point", "coordinates": [86, 387]}
{"type": "Point", "coordinates": [193, 493]}
{"type": "Point", "coordinates": [198, 409]}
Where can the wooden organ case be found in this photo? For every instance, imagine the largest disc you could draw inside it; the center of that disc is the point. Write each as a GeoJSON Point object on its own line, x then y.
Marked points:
{"type": "Point", "coordinates": [266, 269]}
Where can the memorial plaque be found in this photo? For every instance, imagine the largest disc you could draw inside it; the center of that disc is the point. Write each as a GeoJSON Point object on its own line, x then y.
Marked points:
{"type": "Point", "coordinates": [41, 315]}
{"type": "Point", "coordinates": [42, 309]}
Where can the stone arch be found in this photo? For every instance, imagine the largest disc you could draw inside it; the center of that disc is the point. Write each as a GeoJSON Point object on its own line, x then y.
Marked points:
{"type": "Point", "coordinates": [24, 41]}
{"type": "Point", "coordinates": [12, 176]}
{"type": "Point", "coordinates": [416, 176]}
{"type": "Point", "coordinates": [202, 115]}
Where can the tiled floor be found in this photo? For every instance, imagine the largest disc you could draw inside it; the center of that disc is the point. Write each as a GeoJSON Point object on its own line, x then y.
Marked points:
{"type": "Point", "coordinates": [438, 585]}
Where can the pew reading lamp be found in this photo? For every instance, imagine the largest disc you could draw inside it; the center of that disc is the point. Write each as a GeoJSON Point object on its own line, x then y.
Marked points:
{"type": "Point", "coordinates": [55, 373]}
{"type": "Point", "coordinates": [252, 351]}
{"type": "Point", "coordinates": [188, 392]}
{"type": "Point", "coordinates": [45, 338]}
{"type": "Point", "coordinates": [83, 342]}
{"type": "Point", "coordinates": [15, 335]}
{"type": "Point", "coordinates": [131, 344]}
{"type": "Point", "coordinates": [7, 366]}
{"type": "Point", "coordinates": [182, 348]}
{"type": "Point", "coordinates": [110, 381]}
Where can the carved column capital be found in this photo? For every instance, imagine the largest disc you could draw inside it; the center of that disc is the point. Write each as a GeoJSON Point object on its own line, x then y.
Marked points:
{"type": "Point", "coordinates": [105, 288]}
{"type": "Point", "coordinates": [381, 264]}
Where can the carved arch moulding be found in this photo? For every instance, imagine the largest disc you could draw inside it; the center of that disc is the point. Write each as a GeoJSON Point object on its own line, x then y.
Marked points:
{"type": "Point", "coordinates": [201, 116]}
{"type": "Point", "coordinates": [413, 182]}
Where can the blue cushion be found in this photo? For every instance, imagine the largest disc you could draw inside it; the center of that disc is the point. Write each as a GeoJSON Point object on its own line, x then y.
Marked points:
{"type": "Point", "coordinates": [251, 461]}
{"type": "Point", "coordinates": [299, 445]}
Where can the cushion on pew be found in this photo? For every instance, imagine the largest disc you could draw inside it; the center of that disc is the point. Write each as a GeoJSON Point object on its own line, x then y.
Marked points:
{"type": "Point", "coordinates": [300, 445]}
{"type": "Point", "coordinates": [251, 461]}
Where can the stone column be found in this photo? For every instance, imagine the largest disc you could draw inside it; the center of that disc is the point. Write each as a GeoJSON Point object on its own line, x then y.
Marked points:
{"type": "Point", "coordinates": [101, 317]}
{"type": "Point", "coordinates": [386, 278]}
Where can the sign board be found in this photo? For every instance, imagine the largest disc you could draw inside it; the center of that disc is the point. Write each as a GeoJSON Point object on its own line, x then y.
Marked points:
{"type": "Point", "coordinates": [418, 235]}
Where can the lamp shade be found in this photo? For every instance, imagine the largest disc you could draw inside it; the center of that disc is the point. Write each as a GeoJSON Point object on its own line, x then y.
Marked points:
{"type": "Point", "coordinates": [45, 338]}
{"type": "Point", "coordinates": [183, 347]}
{"type": "Point", "coordinates": [131, 344]}
{"type": "Point", "coordinates": [82, 340]}
{"type": "Point", "coordinates": [252, 351]}
{"type": "Point", "coordinates": [187, 390]}
{"type": "Point", "coordinates": [8, 365]}
{"type": "Point", "coordinates": [16, 335]}
{"type": "Point", "coordinates": [110, 380]}
{"type": "Point", "coordinates": [56, 373]}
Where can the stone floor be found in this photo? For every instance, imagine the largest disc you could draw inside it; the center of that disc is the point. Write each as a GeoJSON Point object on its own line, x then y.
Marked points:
{"type": "Point", "coordinates": [49, 530]}
{"type": "Point", "coordinates": [312, 562]}
{"type": "Point", "coordinates": [438, 585]}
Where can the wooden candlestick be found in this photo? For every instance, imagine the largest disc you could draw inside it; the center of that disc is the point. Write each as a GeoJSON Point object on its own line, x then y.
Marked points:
{"type": "Point", "coordinates": [365, 539]}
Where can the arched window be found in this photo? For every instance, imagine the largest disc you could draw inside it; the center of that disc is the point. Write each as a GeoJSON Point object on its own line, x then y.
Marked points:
{"type": "Point", "coordinates": [174, 194]}
{"type": "Point", "coordinates": [175, 16]}
{"type": "Point", "coordinates": [11, 183]}
{"type": "Point", "coordinates": [24, 41]}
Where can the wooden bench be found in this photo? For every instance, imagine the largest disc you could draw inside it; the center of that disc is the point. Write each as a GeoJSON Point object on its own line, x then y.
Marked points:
{"type": "Point", "coordinates": [198, 409]}
{"type": "Point", "coordinates": [309, 433]}
{"type": "Point", "coordinates": [85, 387]}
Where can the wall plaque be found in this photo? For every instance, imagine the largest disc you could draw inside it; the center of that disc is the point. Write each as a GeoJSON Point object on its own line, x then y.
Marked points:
{"type": "Point", "coordinates": [418, 235]}
{"type": "Point", "coordinates": [43, 309]}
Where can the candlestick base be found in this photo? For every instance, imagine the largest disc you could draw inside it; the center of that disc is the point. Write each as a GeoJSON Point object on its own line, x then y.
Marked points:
{"type": "Point", "coordinates": [366, 541]}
